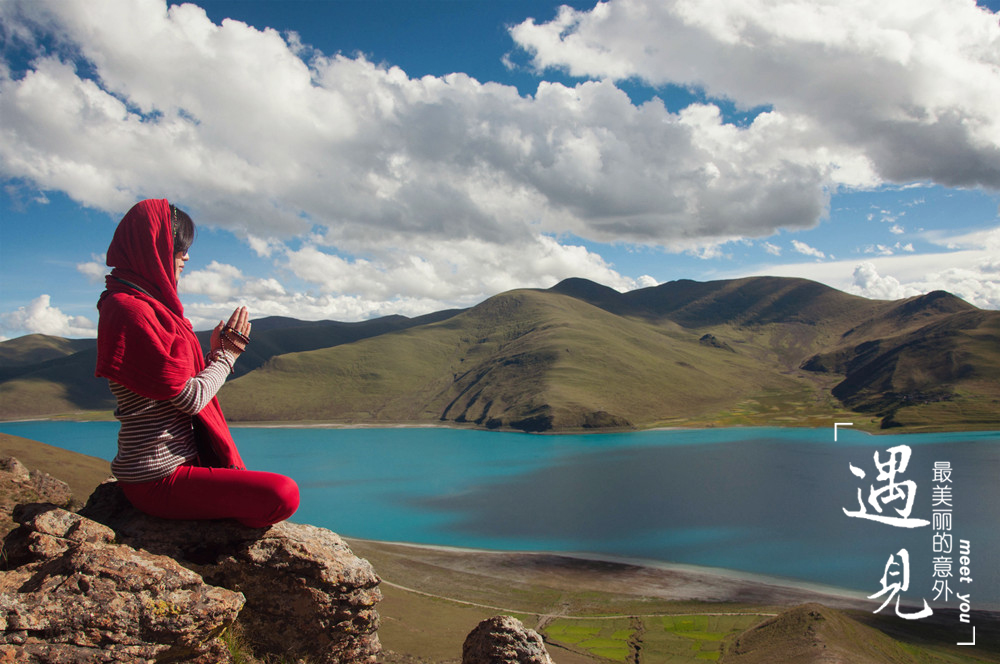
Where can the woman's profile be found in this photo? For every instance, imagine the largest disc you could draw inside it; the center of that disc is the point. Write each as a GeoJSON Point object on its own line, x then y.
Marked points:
{"type": "Point", "coordinates": [176, 458]}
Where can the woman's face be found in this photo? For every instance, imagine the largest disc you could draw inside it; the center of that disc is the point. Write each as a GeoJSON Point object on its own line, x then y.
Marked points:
{"type": "Point", "coordinates": [180, 258]}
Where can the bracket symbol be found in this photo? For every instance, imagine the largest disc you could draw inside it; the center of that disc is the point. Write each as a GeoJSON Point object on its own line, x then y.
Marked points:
{"type": "Point", "coordinates": [840, 424]}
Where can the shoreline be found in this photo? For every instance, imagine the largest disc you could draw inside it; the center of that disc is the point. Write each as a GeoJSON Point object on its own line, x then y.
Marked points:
{"type": "Point", "coordinates": [660, 579]}
{"type": "Point", "coordinates": [622, 575]}
{"type": "Point", "coordinates": [865, 428]}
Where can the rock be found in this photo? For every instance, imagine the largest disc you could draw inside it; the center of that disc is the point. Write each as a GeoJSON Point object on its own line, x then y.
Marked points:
{"type": "Point", "coordinates": [19, 485]}
{"type": "Point", "coordinates": [17, 470]}
{"type": "Point", "coordinates": [504, 640]}
{"type": "Point", "coordinates": [712, 341]}
{"type": "Point", "coordinates": [307, 595]}
{"type": "Point", "coordinates": [47, 487]}
{"type": "Point", "coordinates": [71, 594]}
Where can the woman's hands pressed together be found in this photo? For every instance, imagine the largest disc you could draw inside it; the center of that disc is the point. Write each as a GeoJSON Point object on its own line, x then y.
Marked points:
{"type": "Point", "coordinates": [232, 337]}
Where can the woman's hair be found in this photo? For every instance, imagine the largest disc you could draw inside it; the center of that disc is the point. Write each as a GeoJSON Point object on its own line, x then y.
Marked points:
{"type": "Point", "coordinates": [183, 229]}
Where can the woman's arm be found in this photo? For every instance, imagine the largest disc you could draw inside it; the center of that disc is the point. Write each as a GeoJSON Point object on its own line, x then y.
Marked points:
{"type": "Point", "coordinates": [198, 391]}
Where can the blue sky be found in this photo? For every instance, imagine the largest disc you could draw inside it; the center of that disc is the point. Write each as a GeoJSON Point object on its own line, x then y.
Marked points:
{"type": "Point", "coordinates": [346, 159]}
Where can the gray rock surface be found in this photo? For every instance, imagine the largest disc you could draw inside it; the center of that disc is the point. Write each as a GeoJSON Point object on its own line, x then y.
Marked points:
{"type": "Point", "coordinates": [307, 595]}
{"type": "Point", "coordinates": [111, 584]}
{"type": "Point", "coordinates": [504, 640]}
{"type": "Point", "coordinates": [71, 594]}
{"type": "Point", "coordinates": [20, 485]}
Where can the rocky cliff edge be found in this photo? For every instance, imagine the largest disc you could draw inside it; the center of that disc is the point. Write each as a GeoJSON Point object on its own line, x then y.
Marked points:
{"type": "Point", "coordinates": [110, 584]}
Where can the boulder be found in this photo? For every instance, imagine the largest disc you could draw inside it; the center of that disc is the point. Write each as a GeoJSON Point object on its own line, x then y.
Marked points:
{"type": "Point", "coordinates": [20, 485]}
{"type": "Point", "coordinates": [72, 594]}
{"type": "Point", "coordinates": [504, 640]}
{"type": "Point", "coordinates": [307, 595]}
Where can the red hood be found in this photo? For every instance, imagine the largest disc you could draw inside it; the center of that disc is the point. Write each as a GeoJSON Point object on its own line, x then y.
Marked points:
{"type": "Point", "coordinates": [142, 252]}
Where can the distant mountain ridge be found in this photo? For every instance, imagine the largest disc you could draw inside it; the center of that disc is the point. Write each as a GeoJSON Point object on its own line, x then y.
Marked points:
{"type": "Point", "coordinates": [759, 350]}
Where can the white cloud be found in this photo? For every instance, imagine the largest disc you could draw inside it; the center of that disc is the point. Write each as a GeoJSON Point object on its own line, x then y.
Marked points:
{"type": "Point", "coordinates": [223, 283]}
{"type": "Point", "coordinates": [94, 269]}
{"type": "Point", "coordinates": [805, 249]}
{"type": "Point", "coordinates": [970, 270]}
{"type": "Point", "coordinates": [462, 271]}
{"type": "Point", "coordinates": [772, 249]}
{"type": "Point", "coordinates": [879, 250]}
{"type": "Point", "coordinates": [978, 284]}
{"type": "Point", "coordinates": [868, 283]}
{"type": "Point", "coordinates": [385, 193]}
{"type": "Point", "coordinates": [370, 155]}
{"type": "Point", "coordinates": [410, 282]}
{"type": "Point", "coordinates": [39, 317]}
{"type": "Point", "coordinates": [986, 239]}
{"type": "Point", "coordinates": [908, 86]}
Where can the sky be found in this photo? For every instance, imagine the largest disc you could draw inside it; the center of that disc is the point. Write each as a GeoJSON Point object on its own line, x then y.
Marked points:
{"type": "Point", "coordinates": [349, 159]}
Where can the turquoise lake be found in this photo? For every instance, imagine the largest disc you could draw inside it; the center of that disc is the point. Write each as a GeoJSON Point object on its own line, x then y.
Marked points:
{"type": "Point", "coordinates": [760, 500]}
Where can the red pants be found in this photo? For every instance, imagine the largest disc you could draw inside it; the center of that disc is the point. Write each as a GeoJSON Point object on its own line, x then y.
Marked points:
{"type": "Point", "coordinates": [254, 498]}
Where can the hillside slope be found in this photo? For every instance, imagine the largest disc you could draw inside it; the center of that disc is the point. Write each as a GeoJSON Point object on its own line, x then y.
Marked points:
{"type": "Point", "coordinates": [754, 351]}
{"type": "Point", "coordinates": [43, 376]}
{"type": "Point", "coordinates": [526, 359]}
{"type": "Point", "coordinates": [930, 358]}
{"type": "Point", "coordinates": [812, 633]}
{"type": "Point", "coordinates": [34, 348]}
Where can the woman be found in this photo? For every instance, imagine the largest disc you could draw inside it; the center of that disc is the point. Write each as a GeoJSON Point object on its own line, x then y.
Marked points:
{"type": "Point", "coordinates": [176, 458]}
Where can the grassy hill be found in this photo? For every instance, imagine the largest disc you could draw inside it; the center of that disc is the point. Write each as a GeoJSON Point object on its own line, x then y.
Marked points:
{"type": "Point", "coordinates": [928, 360]}
{"type": "Point", "coordinates": [44, 376]}
{"type": "Point", "coordinates": [34, 348]}
{"type": "Point", "coordinates": [276, 335]}
{"type": "Point", "coordinates": [815, 633]}
{"type": "Point", "coordinates": [761, 350]}
{"type": "Point", "coordinates": [530, 360]}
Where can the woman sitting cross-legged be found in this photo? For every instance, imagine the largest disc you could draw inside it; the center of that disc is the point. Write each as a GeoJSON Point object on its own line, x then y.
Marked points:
{"type": "Point", "coordinates": [176, 458]}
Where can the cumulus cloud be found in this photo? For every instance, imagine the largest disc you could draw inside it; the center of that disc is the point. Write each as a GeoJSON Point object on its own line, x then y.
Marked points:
{"type": "Point", "coordinates": [40, 317]}
{"type": "Point", "coordinates": [223, 283]}
{"type": "Point", "coordinates": [384, 193]}
{"type": "Point", "coordinates": [977, 284]}
{"type": "Point", "coordinates": [869, 283]}
{"type": "Point", "coordinates": [263, 143]}
{"type": "Point", "coordinates": [908, 87]}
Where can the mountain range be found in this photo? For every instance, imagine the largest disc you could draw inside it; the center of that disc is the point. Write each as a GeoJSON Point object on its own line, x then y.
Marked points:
{"type": "Point", "coordinates": [581, 356]}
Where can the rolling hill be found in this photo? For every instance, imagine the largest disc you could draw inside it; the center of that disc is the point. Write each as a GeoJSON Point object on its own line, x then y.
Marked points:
{"type": "Point", "coordinates": [761, 350]}
{"type": "Point", "coordinates": [812, 633]}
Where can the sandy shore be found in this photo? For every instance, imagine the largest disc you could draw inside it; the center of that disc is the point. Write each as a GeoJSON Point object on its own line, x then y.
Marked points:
{"type": "Point", "coordinates": [621, 576]}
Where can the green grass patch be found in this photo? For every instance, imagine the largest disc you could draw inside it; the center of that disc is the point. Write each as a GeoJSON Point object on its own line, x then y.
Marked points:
{"type": "Point", "coordinates": [690, 638]}
{"type": "Point", "coordinates": [569, 632]}
{"type": "Point", "coordinates": [607, 639]}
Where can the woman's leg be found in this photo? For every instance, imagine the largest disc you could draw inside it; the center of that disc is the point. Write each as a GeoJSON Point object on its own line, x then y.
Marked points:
{"type": "Point", "coordinates": [254, 498]}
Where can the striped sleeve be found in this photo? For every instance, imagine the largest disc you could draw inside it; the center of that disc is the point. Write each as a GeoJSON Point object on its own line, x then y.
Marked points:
{"type": "Point", "coordinates": [198, 391]}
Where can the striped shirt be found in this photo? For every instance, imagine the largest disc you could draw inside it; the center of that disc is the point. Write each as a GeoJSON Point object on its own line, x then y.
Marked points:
{"type": "Point", "coordinates": [157, 436]}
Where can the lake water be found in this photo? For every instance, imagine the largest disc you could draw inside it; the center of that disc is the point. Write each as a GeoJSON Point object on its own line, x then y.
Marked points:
{"type": "Point", "coordinates": [766, 500]}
